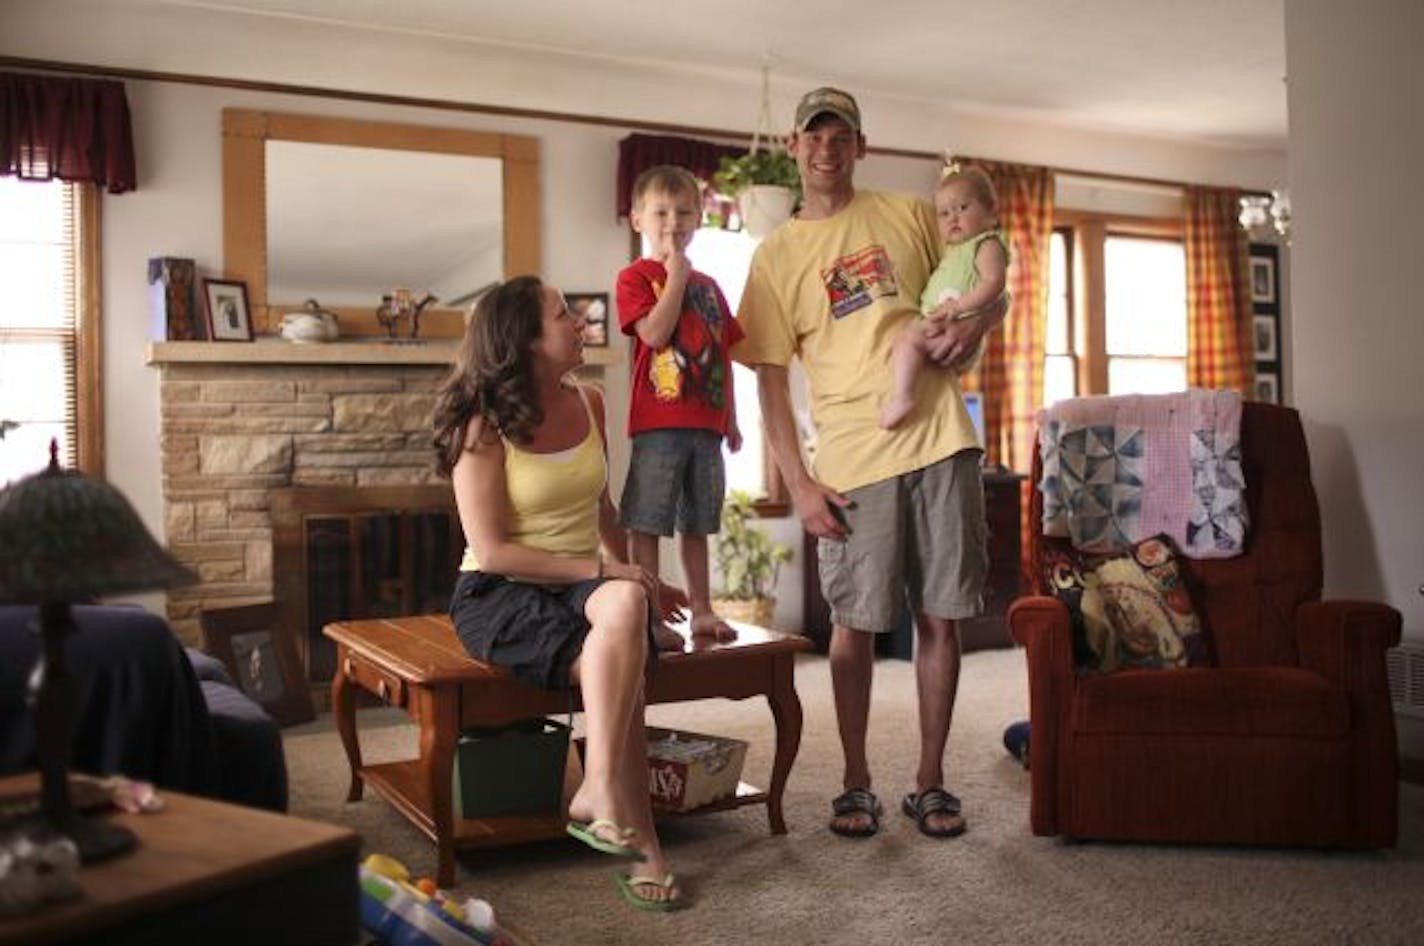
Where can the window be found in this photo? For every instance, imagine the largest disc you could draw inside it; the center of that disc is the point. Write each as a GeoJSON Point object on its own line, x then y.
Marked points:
{"type": "Point", "coordinates": [1060, 364]}
{"type": "Point", "coordinates": [1117, 308]}
{"type": "Point", "coordinates": [49, 331]}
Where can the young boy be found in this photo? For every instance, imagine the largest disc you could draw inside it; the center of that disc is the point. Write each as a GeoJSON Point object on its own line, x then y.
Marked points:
{"type": "Point", "coordinates": [680, 406]}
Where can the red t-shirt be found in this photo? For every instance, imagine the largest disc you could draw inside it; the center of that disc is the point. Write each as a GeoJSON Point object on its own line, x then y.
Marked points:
{"type": "Point", "coordinates": [687, 382]}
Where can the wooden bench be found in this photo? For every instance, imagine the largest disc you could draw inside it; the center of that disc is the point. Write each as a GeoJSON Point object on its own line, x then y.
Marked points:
{"type": "Point", "coordinates": [419, 665]}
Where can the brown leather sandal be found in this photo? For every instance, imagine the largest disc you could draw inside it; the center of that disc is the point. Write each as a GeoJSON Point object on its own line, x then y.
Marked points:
{"type": "Point", "coordinates": [856, 801]}
{"type": "Point", "coordinates": [933, 801]}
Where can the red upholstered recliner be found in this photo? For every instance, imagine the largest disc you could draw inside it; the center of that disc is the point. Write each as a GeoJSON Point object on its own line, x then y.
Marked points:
{"type": "Point", "coordinates": [1286, 739]}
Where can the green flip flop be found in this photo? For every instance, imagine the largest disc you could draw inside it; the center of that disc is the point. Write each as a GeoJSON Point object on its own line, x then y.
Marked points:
{"type": "Point", "coordinates": [628, 884]}
{"type": "Point", "coordinates": [588, 834]}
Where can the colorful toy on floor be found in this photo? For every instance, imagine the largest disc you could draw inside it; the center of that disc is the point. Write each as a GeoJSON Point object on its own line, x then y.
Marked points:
{"type": "Point", "coordinates": [399, 911]}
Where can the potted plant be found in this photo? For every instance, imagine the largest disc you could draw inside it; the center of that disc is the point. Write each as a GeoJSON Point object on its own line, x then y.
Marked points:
{"type": "Point", "coordinates": [765, 184]}
{"type": "Point", "coordinates": [749, 562]}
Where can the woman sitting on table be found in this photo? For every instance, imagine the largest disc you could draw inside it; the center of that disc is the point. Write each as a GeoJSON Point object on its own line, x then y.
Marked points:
{"type": "Point", "coordinates": [524, 448]}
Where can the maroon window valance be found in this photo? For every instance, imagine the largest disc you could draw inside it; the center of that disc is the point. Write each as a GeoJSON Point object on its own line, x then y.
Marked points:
{"type": "Point", "coordinates": [70, 129]}
{"type": "Point", "coordinates": [637, 153]}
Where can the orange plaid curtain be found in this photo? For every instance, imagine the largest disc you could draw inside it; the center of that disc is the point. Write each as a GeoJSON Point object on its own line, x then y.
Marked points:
{"type": "Point", "coordinates": [1218, 297]}
{"type": "Point", "coordinates": [1011, 373]}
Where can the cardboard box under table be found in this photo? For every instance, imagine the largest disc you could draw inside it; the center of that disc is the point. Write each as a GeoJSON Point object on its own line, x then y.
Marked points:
{"type": "Point", "coordinates": [688, 770]}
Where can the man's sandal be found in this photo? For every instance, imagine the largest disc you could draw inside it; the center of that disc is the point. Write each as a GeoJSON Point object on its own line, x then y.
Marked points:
{"type": "Point", "coordinates": [934, 801]}
{"type": "Point", "coordinates": [856, 801]}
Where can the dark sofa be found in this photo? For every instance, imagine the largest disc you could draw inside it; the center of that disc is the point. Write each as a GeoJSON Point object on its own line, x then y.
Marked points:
{"type": "Point", "coordinates": [149, 709]}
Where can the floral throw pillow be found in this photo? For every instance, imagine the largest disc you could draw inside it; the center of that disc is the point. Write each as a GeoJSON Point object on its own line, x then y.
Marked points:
{"type": "Point", "coordinates": [1129, 611]}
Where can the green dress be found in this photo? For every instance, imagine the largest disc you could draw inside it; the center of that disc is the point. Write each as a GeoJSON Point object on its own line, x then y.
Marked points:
{"type": "Point", "coordinates": [956, 273]}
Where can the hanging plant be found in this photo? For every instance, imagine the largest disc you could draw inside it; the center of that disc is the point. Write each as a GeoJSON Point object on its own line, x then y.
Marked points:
{"type": "Point", "coordinates": [774, 167]}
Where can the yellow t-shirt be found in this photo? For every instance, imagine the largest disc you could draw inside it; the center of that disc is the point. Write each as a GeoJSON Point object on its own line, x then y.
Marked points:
{"type": "Point", "coordinates": [834, 293]}
{"type": "Point", "coordinates": [553, 497]}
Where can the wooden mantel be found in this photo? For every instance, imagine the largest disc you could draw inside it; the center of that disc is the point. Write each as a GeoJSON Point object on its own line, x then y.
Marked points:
{"type": "Point", "coordinates": [274, 351]}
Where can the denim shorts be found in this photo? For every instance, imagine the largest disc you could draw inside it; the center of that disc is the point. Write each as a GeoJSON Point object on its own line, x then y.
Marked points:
{"type": "Point", "coordinates": [921, 533]}
{"type": "Point", "coordinates": [675, 478]}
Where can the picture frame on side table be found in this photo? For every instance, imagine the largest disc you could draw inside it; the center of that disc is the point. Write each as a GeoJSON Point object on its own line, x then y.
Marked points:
{"type": "Point", "coordinates": [262, 663]}
{"type": "Point", "coordinates": [1265, 344]}
{"type": "Point", "coordinates": [592, 307]}
{"type": "Point", "coordinates": [225, 306]}
{"type": "Point", "coordinates": [1263, 280]}
{"type": "Point", "coordinates": [1268, 387]}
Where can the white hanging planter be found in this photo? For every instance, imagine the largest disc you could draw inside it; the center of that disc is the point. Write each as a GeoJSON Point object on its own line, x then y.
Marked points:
{"type": "Point", "coordinates": [764, 207]}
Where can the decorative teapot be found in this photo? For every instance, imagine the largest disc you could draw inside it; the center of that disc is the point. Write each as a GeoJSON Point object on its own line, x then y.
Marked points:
{"type": "Point", "coordinates": [312, 324]}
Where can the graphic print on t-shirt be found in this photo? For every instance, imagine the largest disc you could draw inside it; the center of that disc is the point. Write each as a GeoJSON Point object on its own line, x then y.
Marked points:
{"type": "Point", "coordinates": [855, 281]}
{"type": "Point", "coordinates": [690, 366]}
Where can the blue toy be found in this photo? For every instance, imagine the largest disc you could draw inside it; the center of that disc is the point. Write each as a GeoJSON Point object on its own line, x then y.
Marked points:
{"type": "Point", "coordinates": [400, 913]}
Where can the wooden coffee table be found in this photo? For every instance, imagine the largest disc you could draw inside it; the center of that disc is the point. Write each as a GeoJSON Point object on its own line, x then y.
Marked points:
{"type": "Point", "coordinates": [419, 665]}
{"type": "Point", "coordinates": [206, 872]}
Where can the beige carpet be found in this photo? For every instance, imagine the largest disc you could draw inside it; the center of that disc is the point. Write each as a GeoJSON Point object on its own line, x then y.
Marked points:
{"type": "Point", "coordinates": [996, 884]}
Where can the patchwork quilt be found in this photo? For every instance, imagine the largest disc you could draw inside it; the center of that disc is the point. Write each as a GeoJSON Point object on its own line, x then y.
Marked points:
{"type": "Point", "coordinates": [1117, 470]}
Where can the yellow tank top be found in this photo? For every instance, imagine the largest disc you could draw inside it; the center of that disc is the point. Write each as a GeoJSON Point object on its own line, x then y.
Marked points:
{"type": "Point", "coordinates": [553, 497]}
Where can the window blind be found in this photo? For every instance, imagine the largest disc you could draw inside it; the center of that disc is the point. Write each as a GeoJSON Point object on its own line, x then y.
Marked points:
{"type": "Point", "coordinates": [40, 263]}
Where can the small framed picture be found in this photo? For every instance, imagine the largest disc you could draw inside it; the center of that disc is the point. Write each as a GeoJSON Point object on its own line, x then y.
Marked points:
{"type": "Point", "coordinates": [1268, 387]}
{"type": "Point", "coordinates": [593, 308]}
{"type": "Point", "coordinates": [260, 661]}
{"type": "Point", "coordinates": [1263, 279]}
{"type": "Point", "coordinates": [225, 303]}
{"type": "Point", "coordinates": [1263, 333]}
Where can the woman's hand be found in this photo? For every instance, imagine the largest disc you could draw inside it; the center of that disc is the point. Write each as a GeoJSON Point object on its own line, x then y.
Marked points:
{"type": "Point", "coordinates": [671, 602]}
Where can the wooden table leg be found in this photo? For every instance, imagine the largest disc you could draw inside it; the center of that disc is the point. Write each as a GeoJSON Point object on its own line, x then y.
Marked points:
{"type": "Point", "coordinates": [343, 710]}
{"type": "Point", "coordinates": [439, 730]}
{"type": "Point", "coordinates": [786, 711]}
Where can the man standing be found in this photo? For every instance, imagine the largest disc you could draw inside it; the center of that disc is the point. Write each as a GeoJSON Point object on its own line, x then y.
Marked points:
{"type": "Point", "coordinates": [896, 511]}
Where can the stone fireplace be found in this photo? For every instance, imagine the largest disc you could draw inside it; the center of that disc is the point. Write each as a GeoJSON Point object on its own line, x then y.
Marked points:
{"type": "Point", "coordinates": [242, 421]}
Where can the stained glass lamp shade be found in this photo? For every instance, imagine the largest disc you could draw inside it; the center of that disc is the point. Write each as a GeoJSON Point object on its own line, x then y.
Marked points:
{"type": "Point", "coordinates": [66, 537]}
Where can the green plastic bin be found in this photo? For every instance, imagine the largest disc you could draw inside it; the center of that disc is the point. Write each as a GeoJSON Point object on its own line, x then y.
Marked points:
{"type": "Point", "coordinates": [511, 770]}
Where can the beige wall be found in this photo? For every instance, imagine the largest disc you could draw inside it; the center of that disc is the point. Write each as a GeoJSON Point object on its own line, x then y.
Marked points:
{"type": "Point", "coordinates": [1356, 137]}
{"type": "Point", "coordinates": [177, 209]}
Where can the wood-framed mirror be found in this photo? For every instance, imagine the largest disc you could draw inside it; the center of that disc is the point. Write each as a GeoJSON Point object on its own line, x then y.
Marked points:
{"type": "Point", "coordinates": [292, 185]}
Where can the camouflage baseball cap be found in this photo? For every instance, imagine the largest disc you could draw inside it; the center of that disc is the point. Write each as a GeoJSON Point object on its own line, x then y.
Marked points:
{"type": "Point", "coordinates": [827, 99]}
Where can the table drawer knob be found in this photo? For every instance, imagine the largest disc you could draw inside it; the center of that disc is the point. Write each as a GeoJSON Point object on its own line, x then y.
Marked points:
{"type": "Point", "coordinates": [348, 668]}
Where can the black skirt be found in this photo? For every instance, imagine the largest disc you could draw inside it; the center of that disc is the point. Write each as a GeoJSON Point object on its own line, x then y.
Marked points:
{"type": "Point", "coordinates": [534, 631]}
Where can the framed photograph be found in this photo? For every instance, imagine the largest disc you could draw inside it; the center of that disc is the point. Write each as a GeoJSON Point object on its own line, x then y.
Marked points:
{"type": "Point", "coordinates": [1263, 280]}
{"type": "Point", "coordinates": [593, 307]}
{"type": "Point", "coordinates": [1263, 334]}
{"type": "Point", "coordinates": [260, 661]}
{"type": "Point", "coordinates": [1268, 387]}
{"type": "Point", "coordinates": [225, 304]}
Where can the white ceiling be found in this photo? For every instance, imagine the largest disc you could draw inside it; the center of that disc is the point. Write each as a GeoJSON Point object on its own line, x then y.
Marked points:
{"type": "Point", "coordinates": [1209, 71]}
